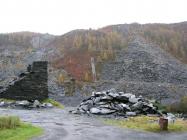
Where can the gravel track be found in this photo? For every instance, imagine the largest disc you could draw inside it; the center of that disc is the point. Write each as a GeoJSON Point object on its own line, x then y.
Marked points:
{"type": "Point", "coordinates": [60, 125]}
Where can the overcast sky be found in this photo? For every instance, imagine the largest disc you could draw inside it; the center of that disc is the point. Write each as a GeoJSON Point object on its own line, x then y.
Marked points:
{"type": "Point", "coordinates": [60, 16]}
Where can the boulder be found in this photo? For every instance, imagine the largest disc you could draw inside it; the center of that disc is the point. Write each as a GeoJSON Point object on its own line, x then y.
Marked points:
{"type": "Point", "coordinates": [36, 103]}
{"type": "Point", "coordinates": [2, 103]}
{"type": "Point", "coordinates": [95, 110]}
{"type": "Point", "coordinates": [95, 94]}
{"type": "Point", "coordinates": [112, 93]}
{"type": "Point", "coordinates": [133, 99]}
{"type": "Point", "coordinates": [128, 95]}
{"type": "Point", "coordinates": [97, 99]}
{"type": "Point", "coordinates": [124, 106]}
{"type": "Point", "coordinates": [84, 107]}
{"type": "Point", "coordinates": [48, 105]}
{"type": "Point", "coordinates": [101, 111]}
{"type": "Point", "coordinates": [137, 105]}
{"type": "Point", "coordinates": [171, 118]}
{"type": "Point", "coordinates": [23, 103]}
{"type": "Point", "coordinates": [106, 97]}
{"type": "Point", "coordinates": [131, 113]}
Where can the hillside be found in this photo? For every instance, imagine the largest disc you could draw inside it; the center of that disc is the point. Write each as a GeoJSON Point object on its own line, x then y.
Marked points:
{"type": "Point", "coordinates": [143, 59]}
{"type": "Point", "coordinates": [147, 70]}
{"type": "Point", "coordinates": [170, 37]}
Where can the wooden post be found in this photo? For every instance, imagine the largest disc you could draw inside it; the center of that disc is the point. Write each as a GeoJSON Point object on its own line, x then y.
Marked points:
{"type": "Point", "coordinates": [93, 69]}
{"type": "Point", "coordinates": [163, 124]}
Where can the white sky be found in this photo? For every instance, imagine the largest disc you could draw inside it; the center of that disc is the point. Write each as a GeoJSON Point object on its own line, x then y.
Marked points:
{"type": "Point", "coordinates": [60, 16]}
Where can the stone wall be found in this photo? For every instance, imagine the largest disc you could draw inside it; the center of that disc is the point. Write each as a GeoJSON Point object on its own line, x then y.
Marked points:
{"type": "Point", "coordinates": [31, 85]}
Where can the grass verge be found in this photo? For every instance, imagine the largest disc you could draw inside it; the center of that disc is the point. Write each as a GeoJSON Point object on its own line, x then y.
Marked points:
{"type": "Point", "coordinates": [23, 132]}
{"type": "Point", "coordinates": [146, 123]}
{"type": "Point", "coordinates": [6, 100]}
{"type": "Point", "coordinates": [12, 128]}
{"type": "Point", "coordinates": [54, 103]}
{"type": "Point", "coordinates": [9, 122]}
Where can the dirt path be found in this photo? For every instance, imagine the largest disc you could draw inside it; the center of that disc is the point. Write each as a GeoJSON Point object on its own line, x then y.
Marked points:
{"type": "Point", "coordinates": [60, 125]}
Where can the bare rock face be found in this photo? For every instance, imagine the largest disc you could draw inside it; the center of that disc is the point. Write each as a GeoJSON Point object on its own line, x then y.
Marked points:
{"type": "Point", "coordinates": [29, 86]}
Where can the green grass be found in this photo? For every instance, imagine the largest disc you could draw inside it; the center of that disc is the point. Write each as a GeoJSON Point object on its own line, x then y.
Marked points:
{"type": "Point", "coordinates": [11, 128]}
{"type": "Point", "coordinates": [6, 100]}
{"type": "Point", "coordinates": [9, 122]}
{"type": "Point", "coordinates": [23, 132]}
{"type": "Point", "coordinates": [146, 123]}
{"type": "Point", "coordinates": [54, 103]}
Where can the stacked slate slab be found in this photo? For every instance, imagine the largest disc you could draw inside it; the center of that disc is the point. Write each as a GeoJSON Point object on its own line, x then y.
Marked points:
{"type": "Point", "coordinates": [31, 85]}
{"type": "Point", "coordinates": [116, 103]}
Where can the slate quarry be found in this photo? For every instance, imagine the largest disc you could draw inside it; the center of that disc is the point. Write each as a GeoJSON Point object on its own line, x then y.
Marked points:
{"type": "Point", "coordinates": [116, 103]}
{"type": "Point", "coordinates": [145, 69]}
{"type": "Point", "coordinates": [31, 85]}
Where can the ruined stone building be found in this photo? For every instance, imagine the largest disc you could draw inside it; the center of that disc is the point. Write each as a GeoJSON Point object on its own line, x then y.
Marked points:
{"type": "Point", "coordinates": [31, 85]}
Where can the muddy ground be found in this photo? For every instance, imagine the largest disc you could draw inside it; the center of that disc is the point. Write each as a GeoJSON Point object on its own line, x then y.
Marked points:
{"type": "Point", "coordinates": [60, 125]}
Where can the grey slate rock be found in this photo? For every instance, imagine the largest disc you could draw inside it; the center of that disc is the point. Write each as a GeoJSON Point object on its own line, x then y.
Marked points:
{"type": "Point", "coordinates": [131, 113]}
{"type": "Point", "coordinates": [101, 111]}
{"type": "Point", "coordinates": [36, 104]}
{"type": "Point", "coordinates": [2, 103]}
{"type": "Point", "coordinates": [23, 103]}
{"type": "Point", "coordinates": [116, 103]}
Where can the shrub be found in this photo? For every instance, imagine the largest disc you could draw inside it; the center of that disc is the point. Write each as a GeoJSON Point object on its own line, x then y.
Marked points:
{"type": "Point", "coordinates": [180, 107]}
{"type": "Point", "coordinates": [11, 128]}
{"type": "Point", "coordinates": [54, 103]}
{"type": "Point", "coordinates": [60, 78]}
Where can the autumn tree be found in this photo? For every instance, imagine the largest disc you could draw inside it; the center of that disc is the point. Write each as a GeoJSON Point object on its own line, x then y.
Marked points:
{"type": "Point", "coordinates": [77, 42]}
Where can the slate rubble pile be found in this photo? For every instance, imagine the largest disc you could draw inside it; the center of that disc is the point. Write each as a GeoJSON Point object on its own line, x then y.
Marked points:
{"type": "Point", "coordinates": [25, 104]}
{"type": "Point", "coordinates": [116, 103]}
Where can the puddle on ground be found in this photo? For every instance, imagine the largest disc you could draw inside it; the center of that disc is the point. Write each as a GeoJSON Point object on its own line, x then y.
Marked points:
{"type": "Point", "coordinates": [85, 123]}
{"type": "Point", "coordinates": [60, 124]}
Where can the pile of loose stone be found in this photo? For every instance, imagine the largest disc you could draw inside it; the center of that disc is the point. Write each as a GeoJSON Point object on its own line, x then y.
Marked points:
{"type": "Point", "coordinates": [116, 103]}
{"type": "Point", "coordinates": [24, 104]}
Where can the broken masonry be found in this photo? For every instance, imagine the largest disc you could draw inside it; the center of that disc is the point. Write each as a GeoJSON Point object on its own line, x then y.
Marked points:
{"type": "Point", "coordinates": [32, 85]}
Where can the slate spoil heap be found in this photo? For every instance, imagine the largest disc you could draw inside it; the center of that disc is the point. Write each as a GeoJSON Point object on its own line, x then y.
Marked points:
{"type": "Point", "coordinates": [116, 103]}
